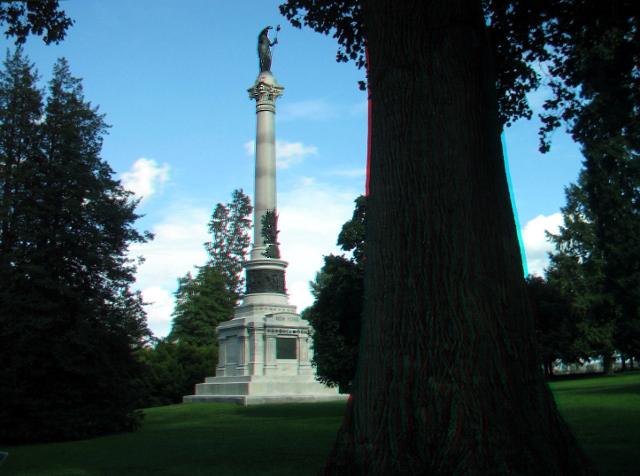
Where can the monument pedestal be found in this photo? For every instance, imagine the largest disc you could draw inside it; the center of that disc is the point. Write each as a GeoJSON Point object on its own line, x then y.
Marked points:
{"type": "Point", "coordinates": [264, 351]}
{"type": "Point", "coordinates": [264, 357]}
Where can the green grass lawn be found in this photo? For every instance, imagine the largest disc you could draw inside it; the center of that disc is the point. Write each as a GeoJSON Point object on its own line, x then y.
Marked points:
{"type": "Point", "coordinates": [295, 439]}
{"type": "Point", "coordinates": [604, 413]}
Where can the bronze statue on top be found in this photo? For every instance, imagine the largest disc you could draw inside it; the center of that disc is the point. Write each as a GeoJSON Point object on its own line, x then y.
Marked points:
{"type": "Point", "coordinates": [264, 48]}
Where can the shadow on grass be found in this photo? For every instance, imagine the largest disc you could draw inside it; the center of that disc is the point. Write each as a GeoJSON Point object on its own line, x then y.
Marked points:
{"type": "Point", "coordinates": [295, 411]}
{"type": "Point", "coordinates": [608, 433]}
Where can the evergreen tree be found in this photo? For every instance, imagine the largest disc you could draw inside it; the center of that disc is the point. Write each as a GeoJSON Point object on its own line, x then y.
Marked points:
{"type": "Point", "coordinates": [230, 227]}
{"type": "Point", "coordinates": [597, 258]}
{"type": "Point", "coordinates": [207, 299]}
{"type": "Point", "coordinates": [68, 322]}
{"type": "Point", "coordinates": [202, 304]}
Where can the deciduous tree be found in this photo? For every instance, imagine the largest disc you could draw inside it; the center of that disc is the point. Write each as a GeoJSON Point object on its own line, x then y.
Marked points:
{"type": "Point", "coordinates": [556, 329]}
{"type": "Point", "coordinates": [34, 17]}
{"type": "Point", "coordinates": [173, 369]}
{"type": "Point", "coordinates": [449, 380]}
{"type": "Point", "coordinates": [336, 313]}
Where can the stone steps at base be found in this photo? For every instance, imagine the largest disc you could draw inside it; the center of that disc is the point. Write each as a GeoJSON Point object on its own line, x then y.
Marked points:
{"type": "Point", "coordinates": [263, 387]}
{"type": "Point", "coordinates": [262, 399]}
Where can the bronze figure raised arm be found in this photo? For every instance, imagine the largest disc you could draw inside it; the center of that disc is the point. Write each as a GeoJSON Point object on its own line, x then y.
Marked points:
{"type": "Point", "coordinates": [264, 48]}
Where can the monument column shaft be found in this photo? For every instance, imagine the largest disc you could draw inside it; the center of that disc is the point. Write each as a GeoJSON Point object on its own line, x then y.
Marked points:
{"type": "Point", "coordinates": [265, 184]}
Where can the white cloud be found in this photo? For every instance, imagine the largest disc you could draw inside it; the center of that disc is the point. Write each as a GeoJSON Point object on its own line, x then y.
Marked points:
{"type": "Point", "coordinates": [313, 110]}
{"type": "Point", "coordinates": [535, 241]}
{"type": "Point", "coordinates": [161, 304]}
{"type": "Point", "coordinates": [287, 153]}
{"type": "Point", "coordinates": [176, 249]}
{"type": "Point", "coordinates": [145, 177]}
{"type": "Point", "coordinates": [311, 217]}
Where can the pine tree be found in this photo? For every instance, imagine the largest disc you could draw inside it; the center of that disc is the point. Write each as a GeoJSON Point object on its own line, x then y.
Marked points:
{"type": "Point", "coordinates": [230, 227]}
{"type": "Point", "coordinates": [202, 304]}
{"type": "Point", "coordinates": [69, 323]}
{"type": "Point", "coordinates": [207, 299]}
{"type": "Point", "coordinates": [597, 258]}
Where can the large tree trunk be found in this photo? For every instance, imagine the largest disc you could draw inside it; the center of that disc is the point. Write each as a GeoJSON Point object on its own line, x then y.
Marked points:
{"type": "Point", "coordinates": [449, 381]}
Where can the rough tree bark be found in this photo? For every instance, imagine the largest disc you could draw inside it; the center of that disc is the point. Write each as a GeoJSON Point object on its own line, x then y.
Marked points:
{"type": "Point", "coordinates": [449, 381]}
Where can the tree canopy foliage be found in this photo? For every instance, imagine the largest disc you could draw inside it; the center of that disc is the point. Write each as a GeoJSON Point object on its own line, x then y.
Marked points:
{"type": "Point", "coordinates": [230, 229]}
{"type": "Point", "coordinates": [69, 323]}
{"type": "Point", "coordinates": [336, 313]}
{"type": "Point", "coordinates": [555, 324]}
{"type": "Point", "coordinates": [202, 303]}
{"type": "Point", "coordinates": [206, 300]}
{"type": "Point", "coordinates": [587, 49]}
{"type": "Point", "coordinates": [596, 265]}
{"type": "Point", "coordinates": [34, 17]}
{"type": "Point", "coordinates": [173, 369]}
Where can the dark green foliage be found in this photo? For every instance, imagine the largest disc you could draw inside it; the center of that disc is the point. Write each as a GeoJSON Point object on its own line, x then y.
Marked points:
{"type": "Point", "coordinates": [448, 380]}
{"type": "Point", "coordinates": [174, 369]}
{"type": "Point", "coordinates": [336, 313]}
{"type": "Point", "coordinates": [208, 299]}
{"type": "Point", "coordinates": [576, 270]}
{"type": "Point", "coordinates": [230, 227]}
{"type": "Point", "coordinates": [34, 17]}
{"type": "Point", "coordinates": [611, 185]}
{"type": "Point", "coordinates": [590, 49]}
{"type": "Point", "coordinates": [351, 237]}
{"type": "Point", "coordinates": [594, 70]}
{"type": "Point", "coordinates": [516, 76]}
{"type": "Point", "coordinates": [68, 322]}
{"type": "Point", "coordinates": [556, 331]}
{"type": "Point", "coordinates": [202, 304]}
{"type": "Point", "coordinates": [597, 262]}
{"type": "Point", "coordinates": [336, 317]}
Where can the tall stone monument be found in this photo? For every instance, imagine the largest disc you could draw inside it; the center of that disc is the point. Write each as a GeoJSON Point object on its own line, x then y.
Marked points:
{"type": "Point", "coordinates": [264, 351]}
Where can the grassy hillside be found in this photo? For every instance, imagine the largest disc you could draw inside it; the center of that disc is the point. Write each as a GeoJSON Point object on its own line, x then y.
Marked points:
{"type": "Point", "coordinates": [295, 439]}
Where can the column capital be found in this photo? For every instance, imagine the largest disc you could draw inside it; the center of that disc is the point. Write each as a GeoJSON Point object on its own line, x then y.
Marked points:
{"type": "Point", "coordinates": [265, 91]}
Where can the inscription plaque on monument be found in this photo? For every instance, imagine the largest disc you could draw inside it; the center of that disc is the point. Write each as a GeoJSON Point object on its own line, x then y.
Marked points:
{"type": "Point", "coordinates": [286, 348]}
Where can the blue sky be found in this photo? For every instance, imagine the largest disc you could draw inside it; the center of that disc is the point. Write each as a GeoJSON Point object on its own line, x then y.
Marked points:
{"type": "Point", "coordinates": [172, 79]}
